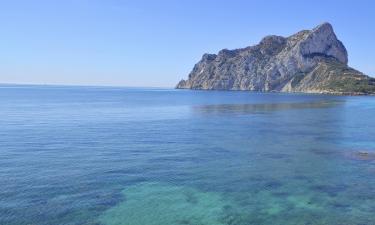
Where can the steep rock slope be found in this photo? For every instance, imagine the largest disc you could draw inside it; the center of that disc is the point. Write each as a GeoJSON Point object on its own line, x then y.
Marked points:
{"type": "Point", "coordinates": [313, 61]}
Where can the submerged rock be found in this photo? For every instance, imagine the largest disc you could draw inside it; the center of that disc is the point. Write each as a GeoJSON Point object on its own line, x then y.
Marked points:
{"type": "Point", "coordinates": [155, 204]}
{"type": "Point", "coordinates": [363, 156]}
{"type": "Point", "coordinates": [313, 61]}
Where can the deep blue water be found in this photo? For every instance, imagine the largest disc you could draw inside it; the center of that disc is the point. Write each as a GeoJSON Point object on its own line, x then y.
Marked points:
{"type": "Point", "coordinates": [102, 155]}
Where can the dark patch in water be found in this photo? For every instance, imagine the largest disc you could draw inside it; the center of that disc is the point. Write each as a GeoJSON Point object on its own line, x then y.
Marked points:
{"type": "Point", "coordinates": [340, 205]}
{"type": "Point", "coordinates": [366, 195]}
{"type": "Point", "coordinates": [110, 201]}
{"type": "Point", "coordinates": [234, 218]}
{"type": "Point", "coordinates": [331, 190]}
{"type": "Point", "coordinates": [362, 155]}
{"type": "Point", "coordinates": [191, 198]}
{"type": "Point", "coordinates": [322, 151]}
{"type": "Point", "coordinates": [325, 139]}
{"type": "Point", "coordinates": [262, 108]}
{"type": "Point", "coordinates": [275, 155]}
{"type": "Point", "coordinates": [272, 185]}
{"type": "Point", "coordinates": [303, 178]}
{"type": "Point", "coordinates": [280, 194]}
{"type": "Point", "coordinates": [185, 222]}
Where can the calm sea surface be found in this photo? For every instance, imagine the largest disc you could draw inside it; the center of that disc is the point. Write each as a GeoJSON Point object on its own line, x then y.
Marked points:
{"type": "Point", "coordinates": [127, 156]}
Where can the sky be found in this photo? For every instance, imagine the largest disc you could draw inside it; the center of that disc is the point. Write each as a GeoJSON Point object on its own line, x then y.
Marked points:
{"type": "Point", "coordinates": [156, 43]}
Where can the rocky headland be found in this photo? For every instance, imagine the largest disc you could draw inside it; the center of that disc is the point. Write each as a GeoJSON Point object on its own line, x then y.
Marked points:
{"type": "Point", "coordinates": [311, 61]}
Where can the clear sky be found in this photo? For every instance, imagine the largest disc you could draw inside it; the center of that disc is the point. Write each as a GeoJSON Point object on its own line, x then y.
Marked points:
{"type": "Point", "coordinates": [156, 43]}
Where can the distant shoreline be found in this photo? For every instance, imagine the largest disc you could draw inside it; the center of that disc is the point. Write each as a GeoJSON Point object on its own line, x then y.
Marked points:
{"type": "Point", "coordinates": [15, 85]}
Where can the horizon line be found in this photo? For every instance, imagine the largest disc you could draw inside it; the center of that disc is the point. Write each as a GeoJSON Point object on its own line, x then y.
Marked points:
{"type": "Point", "coordinates": [81, 85]}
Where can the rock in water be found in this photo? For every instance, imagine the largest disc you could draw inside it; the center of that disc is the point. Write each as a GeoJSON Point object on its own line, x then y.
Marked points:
{"type": "Point", "coordinates": [312, 61]}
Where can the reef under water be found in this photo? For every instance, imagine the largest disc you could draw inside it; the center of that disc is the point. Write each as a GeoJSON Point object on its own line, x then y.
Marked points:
{"type": "Point", "coordinates": [155, 204]}
{"type": "Point", "coordinates": [162, 203]}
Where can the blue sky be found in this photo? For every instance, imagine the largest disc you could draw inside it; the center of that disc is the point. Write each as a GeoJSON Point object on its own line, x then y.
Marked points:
{"type": "Point", "coordinates": [156, 43]}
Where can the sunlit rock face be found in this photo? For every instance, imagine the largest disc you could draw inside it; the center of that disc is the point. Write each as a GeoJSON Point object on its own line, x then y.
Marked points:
{"type": "Point", "coordinates": [309, 61]}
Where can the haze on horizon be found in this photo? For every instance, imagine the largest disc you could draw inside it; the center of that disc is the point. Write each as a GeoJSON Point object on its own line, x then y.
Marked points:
{"type": "Point", "coordinates": [156, 43]}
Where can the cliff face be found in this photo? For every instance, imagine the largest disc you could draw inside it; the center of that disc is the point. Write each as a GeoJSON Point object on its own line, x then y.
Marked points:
{"type": "Point", "coordinates": [313, 61]}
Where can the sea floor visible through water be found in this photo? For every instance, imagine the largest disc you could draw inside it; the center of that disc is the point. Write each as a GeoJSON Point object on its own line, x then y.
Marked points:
{"type": "Point", "coordinates": [137, 156]}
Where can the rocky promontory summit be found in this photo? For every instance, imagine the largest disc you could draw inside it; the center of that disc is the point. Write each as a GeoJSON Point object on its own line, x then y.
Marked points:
{"type": "Point", "coordinates": [311, 61]}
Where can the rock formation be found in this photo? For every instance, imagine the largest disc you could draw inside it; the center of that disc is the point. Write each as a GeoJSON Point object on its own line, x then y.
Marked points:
{"type": "Point", "coordinates": [312, 61]}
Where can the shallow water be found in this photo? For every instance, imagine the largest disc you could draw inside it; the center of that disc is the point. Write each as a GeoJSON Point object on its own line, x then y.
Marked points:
{"type": "Point", "coordinates": [113, 156]}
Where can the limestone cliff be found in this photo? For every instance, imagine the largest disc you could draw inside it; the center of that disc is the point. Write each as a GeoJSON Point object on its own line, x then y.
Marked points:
{"type": "Point", "coordinates": [313, 61]}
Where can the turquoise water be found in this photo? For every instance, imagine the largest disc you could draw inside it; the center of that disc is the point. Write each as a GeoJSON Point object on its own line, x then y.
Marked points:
{"type": "Point", "coordinates": [132, 156]}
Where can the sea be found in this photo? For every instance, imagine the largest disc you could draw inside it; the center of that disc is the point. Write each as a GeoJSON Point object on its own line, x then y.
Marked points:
{"type": "Point", "coordinates": [80, 155]}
